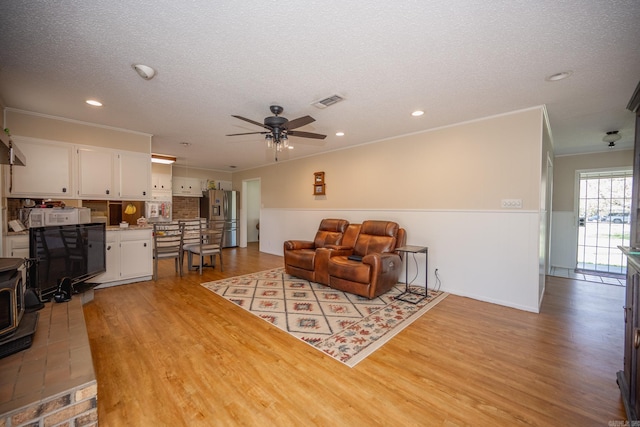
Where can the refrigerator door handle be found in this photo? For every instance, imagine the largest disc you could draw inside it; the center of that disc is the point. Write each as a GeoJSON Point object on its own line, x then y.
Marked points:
{"type": "Point", "coordinates": [225, 205]}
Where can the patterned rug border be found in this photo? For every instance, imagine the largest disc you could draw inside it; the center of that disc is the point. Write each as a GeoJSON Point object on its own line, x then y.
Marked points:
{"type": "Point", "coordinates": [333, 345]}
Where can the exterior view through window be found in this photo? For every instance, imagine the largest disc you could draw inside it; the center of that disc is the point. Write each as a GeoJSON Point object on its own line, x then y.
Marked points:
{"type": "Point", "coordinates": [604, 220]}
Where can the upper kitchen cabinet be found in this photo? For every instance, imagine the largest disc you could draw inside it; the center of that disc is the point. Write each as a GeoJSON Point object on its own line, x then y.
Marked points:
{"type": "Point", "coordinates": [187, 187]}
{"type": "Point", "coordinates": [97, 173]}
{"type": "Point", "coordinates": [48, 173]}
{"type": "Point", "coordinates": [108, 174]}
{"type": "Point", "coordinates": [135, 176]}
{"type": "Point", "coordinates": [161, 176]}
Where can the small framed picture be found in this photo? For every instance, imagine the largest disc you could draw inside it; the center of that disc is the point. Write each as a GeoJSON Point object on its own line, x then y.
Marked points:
{"type": "Point", "coordinates": [319, 177]}
{"type": "Point", "coordinates": [318, 190]}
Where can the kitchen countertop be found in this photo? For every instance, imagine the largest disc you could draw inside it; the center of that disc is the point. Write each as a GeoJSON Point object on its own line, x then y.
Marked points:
{"type": "Point", "coordinates": [130, 227]}
{"type": "Point", "coordinates": [108, 228]}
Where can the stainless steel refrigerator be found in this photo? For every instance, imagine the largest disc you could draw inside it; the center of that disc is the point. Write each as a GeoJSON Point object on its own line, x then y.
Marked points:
{"type": "Point", "coordinates": [223, 207]}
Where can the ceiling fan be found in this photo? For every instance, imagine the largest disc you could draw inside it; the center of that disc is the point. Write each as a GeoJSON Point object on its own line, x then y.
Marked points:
{"type": "Point", "coordinates": [280, 128]}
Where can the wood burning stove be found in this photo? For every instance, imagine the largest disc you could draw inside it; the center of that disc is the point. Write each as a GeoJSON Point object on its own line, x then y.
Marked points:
{"type": "Point", "coordinates": [12, 289]}
{"type": "Point", "coordinates": [16, 325]}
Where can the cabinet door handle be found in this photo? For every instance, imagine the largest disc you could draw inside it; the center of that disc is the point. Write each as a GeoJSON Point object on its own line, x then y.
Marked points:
{"type": "Point", "coordinates": [624, 308]}
{"type": "Point", "coordinates": [109, 247]}
{"type": "Point", "coordinates": [145, 245]}
{"type": "Point", "coordinates": [64, 189]}
{"type": "Point", "coordinates": [107, 191]}
{"type": "Point", "coordinates": [636, 338]}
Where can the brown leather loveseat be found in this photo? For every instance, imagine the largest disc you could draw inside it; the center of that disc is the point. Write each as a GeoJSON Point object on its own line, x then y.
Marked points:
{"type": "Point", "coordinates": [326, 259]}
{"type": "Point", "coordinates": [309, 259]}
{"type": "Point", "coordinates": [379, 269]}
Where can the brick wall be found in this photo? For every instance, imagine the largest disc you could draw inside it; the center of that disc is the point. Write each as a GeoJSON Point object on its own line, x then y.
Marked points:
{"type": "Point", "coordinates": [185, 207]}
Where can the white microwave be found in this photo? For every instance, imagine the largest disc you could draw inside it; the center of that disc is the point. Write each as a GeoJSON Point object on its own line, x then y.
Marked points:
{"type": "Point", "coordinates": [44, 217]}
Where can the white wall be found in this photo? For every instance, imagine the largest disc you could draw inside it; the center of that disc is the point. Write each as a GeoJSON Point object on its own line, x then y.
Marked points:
{"type": "Point", "coordinates": [485, 255]}
{"type": "Point", "coordinates": [444, 187]}
{"type": "Point", "coordinates": [253, 210]}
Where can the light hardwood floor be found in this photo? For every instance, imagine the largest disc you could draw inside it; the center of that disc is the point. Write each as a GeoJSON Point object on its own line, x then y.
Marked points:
{"type": "Point", "coordinates": [172, 353]}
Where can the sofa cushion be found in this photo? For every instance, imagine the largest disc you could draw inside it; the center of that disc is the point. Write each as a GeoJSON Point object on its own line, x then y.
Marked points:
{"type": "Point", "coordinates": [346, 269]}
{"type": "Point", "coordinates": [330, 232]}
{"type": "Point", "coordinates": [376, 236]}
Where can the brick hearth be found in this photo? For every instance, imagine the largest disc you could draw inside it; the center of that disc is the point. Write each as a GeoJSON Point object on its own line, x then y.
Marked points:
{"type": "Point", "coordinates": [53, 382]}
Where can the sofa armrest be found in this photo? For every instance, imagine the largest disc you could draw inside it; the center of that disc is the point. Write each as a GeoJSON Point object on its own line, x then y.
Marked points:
{"type": "Point", "coordinates": [298, 244]}
{"type": "Point", "coordinates": [339, 248]}
{"type": "Point", "coordinates": [322, 260]}
{"type": "Point", "coordinates": [382, 262]}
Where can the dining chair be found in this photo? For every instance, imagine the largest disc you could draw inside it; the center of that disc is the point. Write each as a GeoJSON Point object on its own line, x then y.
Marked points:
{"type": "Point", "coordinates": [167, 243]}
{"type": "Point", "coordinates": [190, 234]}
{"type": "Point", "coordinates": [210, 244]}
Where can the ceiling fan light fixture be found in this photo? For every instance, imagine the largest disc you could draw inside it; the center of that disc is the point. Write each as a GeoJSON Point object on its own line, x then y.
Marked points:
{"type": "Point", "coordinates": [144, 71]}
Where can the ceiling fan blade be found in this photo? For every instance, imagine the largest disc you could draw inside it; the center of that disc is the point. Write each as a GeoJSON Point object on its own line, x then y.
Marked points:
{"type": "Point", "coordinates": [299, 122]}
{"type": "Point", "coordinates": [306, 134]}
{"type": "Point", "coordinates": [247, 133]}
{"type": "Point", "coordinates": [252, 122]}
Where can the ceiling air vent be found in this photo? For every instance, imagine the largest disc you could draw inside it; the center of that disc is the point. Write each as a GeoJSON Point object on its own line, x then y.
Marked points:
{"type": "Point", "coordinates": [324, 103]}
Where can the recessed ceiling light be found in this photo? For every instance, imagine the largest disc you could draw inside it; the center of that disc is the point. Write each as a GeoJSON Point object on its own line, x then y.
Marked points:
{"type": "Point", "coordinates": [417, 113]}
{"type": "Point", "coordinates": [558, 76]}
{"type": "Point", "coordinates": [94, 102]}
{"type": "Point", "coordinates": [339, 133]}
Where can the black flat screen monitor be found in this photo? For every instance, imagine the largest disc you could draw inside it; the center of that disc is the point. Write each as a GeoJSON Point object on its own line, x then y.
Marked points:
{"type": "Point", "coordinates": [75, 251]}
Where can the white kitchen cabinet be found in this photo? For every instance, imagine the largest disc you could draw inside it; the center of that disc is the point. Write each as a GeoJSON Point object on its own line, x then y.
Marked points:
{"type": "Point", "coordinates": [16, 246]}
{"type": "Point", "coordinates": [109, 174]}
{"type": "Point", "coordinates": [48, 172]}
{"type": "Point", "coordinates": [136, 253]}
{"type": "Point", "coordinates": [161, 182]}
{"type": "Point", "coordinates": [129, 257]}
{"type": "Point", "coordinates": [112, 272]}
{"type": "Point", "coordinates": [160, 177]}
{"type": "Point", "coordinates": [188, 187]}
{"type": "Point", "coordinates": [97, 173]}
{"type": "Point", "coordinates": [225, 185]}
{"type": "Point", "coordinates": [135, 175]}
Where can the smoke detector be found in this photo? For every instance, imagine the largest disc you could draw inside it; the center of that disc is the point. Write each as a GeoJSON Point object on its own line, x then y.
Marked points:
{"type": "Point", "coordinates": [144, 71]}
{"type": "Point", "coordinates": [326, 102]}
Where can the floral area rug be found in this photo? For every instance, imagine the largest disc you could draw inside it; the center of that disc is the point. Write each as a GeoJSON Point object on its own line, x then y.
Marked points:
{"type": "Point", "coordinates": [342, 325]}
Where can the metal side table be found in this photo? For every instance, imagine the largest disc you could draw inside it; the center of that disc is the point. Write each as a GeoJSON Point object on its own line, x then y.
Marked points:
{"type": "Point", "coordinates": [409, 295]}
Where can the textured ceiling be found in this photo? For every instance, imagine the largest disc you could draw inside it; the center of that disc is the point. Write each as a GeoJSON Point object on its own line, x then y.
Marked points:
{"type": "Point", "coordinates": [457, 60]}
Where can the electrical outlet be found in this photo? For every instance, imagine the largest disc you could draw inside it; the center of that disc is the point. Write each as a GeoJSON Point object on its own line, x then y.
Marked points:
{"type": "Point", "coordinates": [511, 203]}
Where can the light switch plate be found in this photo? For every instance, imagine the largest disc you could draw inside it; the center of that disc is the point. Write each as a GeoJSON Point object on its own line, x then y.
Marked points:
{"type": "Point", "coordinates": [511, 203]}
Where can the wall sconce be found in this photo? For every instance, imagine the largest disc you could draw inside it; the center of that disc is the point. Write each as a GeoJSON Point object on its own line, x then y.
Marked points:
{"type": "Point", "coordinates": [162, 158]}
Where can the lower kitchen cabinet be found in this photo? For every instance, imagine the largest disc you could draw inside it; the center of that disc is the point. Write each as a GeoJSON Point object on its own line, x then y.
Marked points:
{"type": "Point", "coordinates": [16, 246]}
{"type": "Point", "coordinates": [129, 257]}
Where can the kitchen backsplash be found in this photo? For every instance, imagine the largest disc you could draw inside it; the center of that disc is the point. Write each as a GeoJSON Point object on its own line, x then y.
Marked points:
{"type": "Point", "coordinates": [186, 207]}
